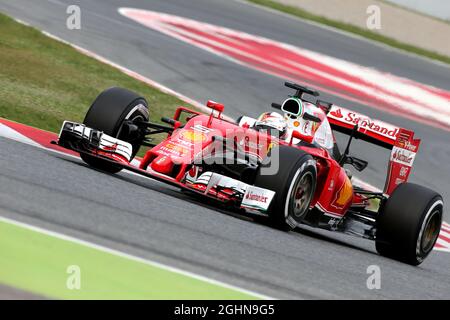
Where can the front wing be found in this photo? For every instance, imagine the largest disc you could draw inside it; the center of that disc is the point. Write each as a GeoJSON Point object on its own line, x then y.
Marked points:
{"type": "Point", "coordinates": [239, 195]}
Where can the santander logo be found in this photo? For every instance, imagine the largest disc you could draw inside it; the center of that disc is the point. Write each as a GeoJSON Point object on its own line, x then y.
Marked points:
{"type": "Point", "coordinates": [365, 123]}
{"type": "Point", "coordinates": [378, 127]}
{"type": "Point", "coordinates": [256, 197]}
{"type": "Point", "coordinates": [337, 113]}
{"type": "Point", "coordinates": [402, 157]}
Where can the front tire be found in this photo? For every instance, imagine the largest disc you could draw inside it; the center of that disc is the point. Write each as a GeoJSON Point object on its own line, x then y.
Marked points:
{"type": "Point", "coordinates": [409, 223]}
{"type": "Point", "coordinates": [110, 110]}
{"type": "Point", "coordinates": [294, 184]}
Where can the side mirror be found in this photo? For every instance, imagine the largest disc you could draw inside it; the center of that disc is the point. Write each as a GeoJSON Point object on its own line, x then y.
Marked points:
{"type": "Point", "coordinates": [357, 163]}
{"type": "Point", "coordinates": [215, 106]}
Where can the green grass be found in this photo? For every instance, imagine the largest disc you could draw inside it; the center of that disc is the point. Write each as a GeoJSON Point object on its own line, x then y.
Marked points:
{"type": "Point", "coordinates": [44, 82]}
{"type": "Point", "coordinates": [352, 29]}
{"type": "Point", "coordinates": [38, 263]}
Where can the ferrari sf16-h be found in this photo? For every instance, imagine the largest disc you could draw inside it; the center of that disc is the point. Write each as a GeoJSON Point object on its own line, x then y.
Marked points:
{"type": "Point", "coordinates": [285, 169]}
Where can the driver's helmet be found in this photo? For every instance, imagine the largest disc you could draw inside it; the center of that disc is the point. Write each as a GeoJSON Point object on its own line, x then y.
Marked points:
{"type": "Point", "coordinates": [274, 123]}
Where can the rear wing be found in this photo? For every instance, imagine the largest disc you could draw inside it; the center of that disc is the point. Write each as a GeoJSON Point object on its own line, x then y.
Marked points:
{"type": "Point", "coordinates": [401, 141]}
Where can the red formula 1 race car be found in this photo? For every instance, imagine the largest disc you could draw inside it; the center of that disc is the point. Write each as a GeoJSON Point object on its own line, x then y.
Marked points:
{"type": "Point", "coordinates": [284, 168]}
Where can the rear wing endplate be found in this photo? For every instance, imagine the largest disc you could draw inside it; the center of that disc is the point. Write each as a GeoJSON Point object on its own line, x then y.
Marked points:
{"type": "Point", "coordinates": [401, 141]}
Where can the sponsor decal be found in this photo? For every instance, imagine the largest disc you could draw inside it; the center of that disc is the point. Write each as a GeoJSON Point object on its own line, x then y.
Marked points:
{"type": "Point", "coordinates": [401, 160]}
{"type": "Point", "coordinates": [193, 136]}
{"type": "Point", "coordinates": [403, 156]}
{"type": "Point", "coordinates": [183, 143]}
{"type": "Point", "coordinates": [177, 148]}
{"type": "Point", "coordinates": [403, 172]}
{"type": "Point", "coordinates": [173, 149]}
{"type": "Point", "coordinates": [364, 122]}
{"type": "Point", "coordinates": [406, 144]}
{"type": "Point", "coordinates": [201, 128]}
{"type": "Point", "coordinates": [337, 113]}
{"type": "Point", "coordinates": [257, 198]}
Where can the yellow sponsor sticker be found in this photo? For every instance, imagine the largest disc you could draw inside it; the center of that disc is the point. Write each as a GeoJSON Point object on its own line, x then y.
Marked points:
{"type": "Point", "coordinates": [193, 136]}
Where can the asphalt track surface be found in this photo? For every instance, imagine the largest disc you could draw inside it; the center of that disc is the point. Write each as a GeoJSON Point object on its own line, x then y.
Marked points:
{"type": "Point", "coordinates": [155, 221]}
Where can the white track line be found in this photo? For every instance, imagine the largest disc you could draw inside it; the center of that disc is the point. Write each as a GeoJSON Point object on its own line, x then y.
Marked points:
{"type": "Point", "coordinates": [130, 257]}
{"type": "Point", "coordinates": [12, 134]}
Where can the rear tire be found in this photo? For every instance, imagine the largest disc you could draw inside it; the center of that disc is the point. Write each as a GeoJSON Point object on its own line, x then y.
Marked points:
{"type": "Point", "coordinates": [409, 223]}
{"type": "Point", "coordinates": [294, 184]}
{"type": "Point", "coordinates": [108, 113]}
